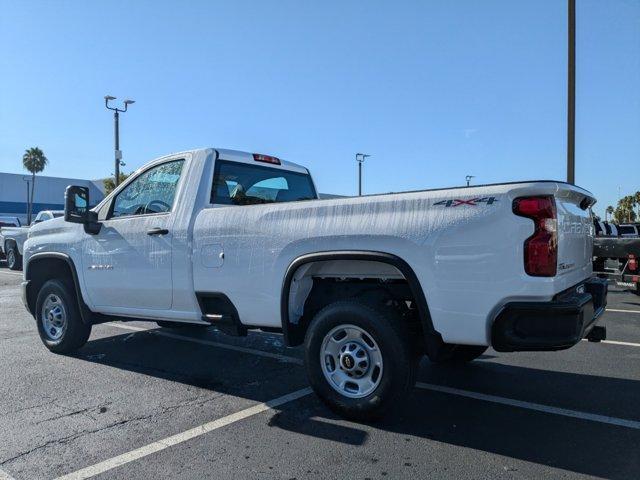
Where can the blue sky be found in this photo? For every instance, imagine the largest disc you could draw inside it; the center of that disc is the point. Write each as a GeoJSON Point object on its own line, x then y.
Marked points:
{"type": "Point", "coordinates": [433, 90]}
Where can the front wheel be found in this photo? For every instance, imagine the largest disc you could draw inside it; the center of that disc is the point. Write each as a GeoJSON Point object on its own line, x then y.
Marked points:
{"type": "Point", "coordinates": [60, 325]}
{"type": "Point", "coordinates": [14, 259]}
{"type": "Point", "coordinates": [359, 359]}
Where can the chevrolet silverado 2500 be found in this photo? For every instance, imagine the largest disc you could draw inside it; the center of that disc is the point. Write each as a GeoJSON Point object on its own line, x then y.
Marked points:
{"type": "Point", "coordinates": [368, 285]}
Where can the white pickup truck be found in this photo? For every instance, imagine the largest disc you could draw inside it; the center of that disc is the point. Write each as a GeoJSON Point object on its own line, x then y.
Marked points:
{"type": "Point", "coordinates": [368, 284]}
{"type": "Point", "coordinates": [12, 238]}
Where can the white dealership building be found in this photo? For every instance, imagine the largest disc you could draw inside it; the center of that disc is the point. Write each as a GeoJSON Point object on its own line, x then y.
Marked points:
{"type": "Point", "coordinates": [49, 193]}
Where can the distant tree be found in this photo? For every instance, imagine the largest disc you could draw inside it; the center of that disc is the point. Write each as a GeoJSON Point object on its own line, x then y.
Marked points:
{"type": "Point", "coordinates": [110, 184]}
{"type": "Point", "coordinates": [607, 212]}
{"type": "Point", "coordinates": [624, 211]}
{"type": "Point", "coordinates": [636, 198]}
{"type": "Point", "coordinates": [34, 161]}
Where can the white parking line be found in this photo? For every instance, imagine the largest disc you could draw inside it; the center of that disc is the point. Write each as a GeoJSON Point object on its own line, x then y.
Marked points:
{"type": "Point", "coordinates": [176, 336]}
{"type": "Point", "coordinates": [615, 342]}
{"type": "Point", "coordinates": [622, 311]}
{"type": "Point", "coordinates": [621, 422]}
{"type": "Point", "coordinates": [5, 476]}
{"type": "Point", "coordinates": [154, 447]}
{"type": "Point", "coordinates": [627, 344]}
{"type": "Point", "coordinates": [18, 274]}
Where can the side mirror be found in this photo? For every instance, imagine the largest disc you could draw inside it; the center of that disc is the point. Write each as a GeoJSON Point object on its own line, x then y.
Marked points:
{"type": "Point", "coordinates": [76, 204]}
{"type": "Point", "coordinates": [76, 209]}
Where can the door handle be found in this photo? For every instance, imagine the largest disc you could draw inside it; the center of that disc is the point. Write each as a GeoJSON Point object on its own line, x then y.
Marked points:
{"type": "Point", "coordinates": [157, 231]}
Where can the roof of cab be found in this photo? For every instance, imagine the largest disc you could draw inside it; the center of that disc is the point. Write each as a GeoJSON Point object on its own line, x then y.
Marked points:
{"type": "Point", "coordinates": [246, 157]}
{"type": "Point", "coordinates": [236, 156]}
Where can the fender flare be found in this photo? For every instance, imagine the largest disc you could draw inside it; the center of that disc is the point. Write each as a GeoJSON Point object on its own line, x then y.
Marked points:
{"type": "Point", "coordinates": [85, 313]}
{"type": "Point", "coordinates": [293, 337]}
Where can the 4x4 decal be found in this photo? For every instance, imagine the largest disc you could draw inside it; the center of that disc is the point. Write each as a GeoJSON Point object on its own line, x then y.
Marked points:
{"type": "Point", "coordinates": [456, 202]}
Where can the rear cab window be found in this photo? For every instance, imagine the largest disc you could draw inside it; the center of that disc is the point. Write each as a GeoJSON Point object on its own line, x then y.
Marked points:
{"type": "Point", "coordinates": [237, 183]}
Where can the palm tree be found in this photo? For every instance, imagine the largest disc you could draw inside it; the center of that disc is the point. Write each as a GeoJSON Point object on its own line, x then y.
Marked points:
{"type": "Point", "coordinates": [34, 161]}
{"type": "Point", "coordinates": [608, 211]}
{"type": "Point", "coordinates": [627, 203]}
{"type": "Point", "coordinates": [636, 198]}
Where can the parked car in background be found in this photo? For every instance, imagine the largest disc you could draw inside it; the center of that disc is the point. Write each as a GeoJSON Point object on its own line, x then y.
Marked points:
{"type": "Point", "coordinates": [628, 230]}
{"type": "Point", "coordinates": [605, 229]}
{"type": "Point", "coordinates": [368, 285]}
{"type": "Point", "coordinates": [12, 238]}
{"type": "Point", "coordinates": [10, 222]}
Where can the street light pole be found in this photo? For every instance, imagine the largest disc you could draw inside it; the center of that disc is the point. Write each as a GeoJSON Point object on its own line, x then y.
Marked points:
{"type": "Point", "coordinates": [468, 178]}
{"type": "Point", "coordinates": [116, 132]}
{"type": "Point", "coordinates": [116, 141]}
{"type": "Point", "coordinates": [29, 207]}
{"type": "Point", "coordinates": [360, 157]}
{"type": "Point", "coordinates": [571, 92]}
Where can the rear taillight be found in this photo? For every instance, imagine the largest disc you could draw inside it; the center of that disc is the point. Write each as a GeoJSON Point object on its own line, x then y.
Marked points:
{"type": "Point", "coordinates": [633, 263]}
{"type": "Point", "coordinates": [541, 248]}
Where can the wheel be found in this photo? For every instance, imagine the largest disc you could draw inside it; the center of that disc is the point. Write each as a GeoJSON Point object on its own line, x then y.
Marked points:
{"type": "Point", "coordinates": [177, 325]}
{"type": "Point", "coordinates": [59, 322]}
{"type": "Point", "coordinates": [359, 359]}
{"type": "Point", "coordinates": [637, 290]}
{"type": "Point", "coordinates": [14, 259]}
{"type": "Point", "coordinates": [459, 354]}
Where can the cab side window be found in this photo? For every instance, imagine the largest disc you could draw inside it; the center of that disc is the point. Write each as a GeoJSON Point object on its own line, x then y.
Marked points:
{"type": "Point", "coordinates": [152, 192]}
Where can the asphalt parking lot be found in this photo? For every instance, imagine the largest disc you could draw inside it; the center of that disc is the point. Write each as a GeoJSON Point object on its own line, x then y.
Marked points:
{"type": "Point", "coordinates": [140, 401]}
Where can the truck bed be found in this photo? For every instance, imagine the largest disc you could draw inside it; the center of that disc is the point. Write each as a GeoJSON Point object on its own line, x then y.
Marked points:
{"type": "Point", "coordinates": [453, 238]}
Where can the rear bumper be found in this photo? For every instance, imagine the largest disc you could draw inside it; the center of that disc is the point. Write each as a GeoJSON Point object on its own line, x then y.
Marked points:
{"type": "Point", "coordinates": [554, 325]}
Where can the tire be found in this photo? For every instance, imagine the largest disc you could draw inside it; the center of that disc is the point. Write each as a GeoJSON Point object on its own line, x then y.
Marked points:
{"type": "Point", "coordinates": [179, 325]}
{"type": "Point", "coordinates": [376, 327]}
{"type": "Point", "coordinates": [458, 354]}
{"type": "Point", "coordinates": [14, 259]}
{"type": "Point", "coordinates": [637, 290]}
{"type": "Point", "coordinates": [58, 318]}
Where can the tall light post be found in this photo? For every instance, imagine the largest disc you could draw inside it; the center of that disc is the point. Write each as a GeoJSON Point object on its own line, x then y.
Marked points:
{"type": "Point", "coordinates": [29, 207]}
{"type": "Point", "coordinates": [116, 131]}
{"type": "Point", "coordinates": [571, 92]}
{"type": "Point", "coordinates": [360, 157]}
{"type": "Point", "coordinates": [468, 178]}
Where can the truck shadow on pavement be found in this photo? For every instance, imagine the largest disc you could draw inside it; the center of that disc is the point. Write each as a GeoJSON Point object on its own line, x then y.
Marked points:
{"type": "Point", "coordinates": [571, 444]}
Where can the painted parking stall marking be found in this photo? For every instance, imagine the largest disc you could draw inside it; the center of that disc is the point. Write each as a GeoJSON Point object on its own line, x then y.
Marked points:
{"type": "Point", "coordinates": [5, 476]}
{"type": "Point", "coordinates": [154, 447]}
{"type": "Point", "coordinates": [8, 272]}
{"type": "Point", "coordinates": [592, 417]}
{"type": "Point", "coordinates": [622, 311]}
{"type": "Point", "coordinates": [626, 344]}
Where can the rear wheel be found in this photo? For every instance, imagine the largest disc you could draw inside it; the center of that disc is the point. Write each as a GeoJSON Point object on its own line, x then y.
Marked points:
{"type": "Point", "coordinates": [14, 259]}
{"type": "Point", "coordinates": [359, 359]}
{"type": "Point", "coordinates": [60, 325]}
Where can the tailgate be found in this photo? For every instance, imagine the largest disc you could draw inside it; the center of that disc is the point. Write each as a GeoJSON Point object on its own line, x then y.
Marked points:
{"type": "Point", "coordinates": [575, 230]}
